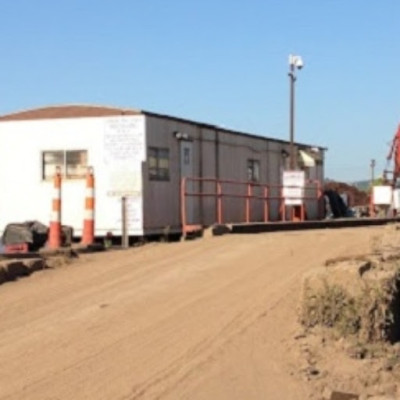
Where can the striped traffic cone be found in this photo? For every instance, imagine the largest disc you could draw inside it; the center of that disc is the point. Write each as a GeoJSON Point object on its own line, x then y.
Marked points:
{"type": "Point", "coordinates": [88, 223]}
{"type": "Point", "coordinates": [55, 222]}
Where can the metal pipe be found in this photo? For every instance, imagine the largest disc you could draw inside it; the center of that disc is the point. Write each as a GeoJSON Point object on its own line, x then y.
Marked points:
{"type": "Point", "coordinates": [219, 202]}
{"type": "Point", "coordinates": [124, 215]}
{"type": "Point", "coordinates": [183, 205]}
{"type": "Point", "coordinates": [292, 78]}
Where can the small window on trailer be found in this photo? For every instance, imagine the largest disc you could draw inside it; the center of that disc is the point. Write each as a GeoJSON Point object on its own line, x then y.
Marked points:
{"type": "Point", "coordinates": [158, 163]}
{"type": "Point", "coordinates": [253, 170]}
{"type": "Point", "coordinates": [73, 163]}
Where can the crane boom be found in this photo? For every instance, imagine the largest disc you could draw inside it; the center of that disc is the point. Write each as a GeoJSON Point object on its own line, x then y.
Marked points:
{"type": "Point", "coordinates": [394, 154]}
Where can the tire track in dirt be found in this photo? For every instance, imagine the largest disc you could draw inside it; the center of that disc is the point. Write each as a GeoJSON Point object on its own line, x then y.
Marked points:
{"type": "Point", "coordinates": [170, 320]}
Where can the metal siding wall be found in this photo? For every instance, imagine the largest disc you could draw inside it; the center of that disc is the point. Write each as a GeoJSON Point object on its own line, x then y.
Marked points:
{"type": "Point", "coordinates": [162, 199]}
{"type": "Point", "coordinates": [234, 154]}
{"type": "Point", "coordinates": [275, 168]}
{"type": "Point", "coordinates": [209, 171]}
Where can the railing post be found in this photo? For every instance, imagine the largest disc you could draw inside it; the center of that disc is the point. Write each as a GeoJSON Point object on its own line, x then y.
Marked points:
{"type": "Point", "coordinates": [55, 222]}
{"type": "Point", "coordinates": [320, 201]}
{"type": "Point", "coordinates": [183, 205]}
{"type": "Point", "coordinates": [371, 204]}
{"type": "Point", "coordinates": [249, 194]}
{"type": "Point", "coordinates": [266, 208]}
{"type": "Point", "coordinates": [219, 202]}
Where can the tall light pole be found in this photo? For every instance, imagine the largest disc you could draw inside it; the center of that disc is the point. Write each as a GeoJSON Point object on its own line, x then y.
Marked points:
{"type": "Point", "coordinates": [295, 62]}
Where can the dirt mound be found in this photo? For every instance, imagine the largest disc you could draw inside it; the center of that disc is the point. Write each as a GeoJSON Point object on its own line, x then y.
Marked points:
{"type": "Point", "coordinates": [355, 298]}
{"type": "Point", "coordinates": [350, 312]}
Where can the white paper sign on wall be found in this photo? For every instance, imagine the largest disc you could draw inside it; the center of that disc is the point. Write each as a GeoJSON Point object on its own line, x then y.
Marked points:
{"type": "Point", "coordinates": [124, 152]}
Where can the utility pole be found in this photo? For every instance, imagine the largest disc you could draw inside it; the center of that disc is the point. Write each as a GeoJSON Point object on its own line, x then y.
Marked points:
{"type": "Point", "coordinates": [372, 165]}
{"type": "Point", "coordinates": [295, 62]}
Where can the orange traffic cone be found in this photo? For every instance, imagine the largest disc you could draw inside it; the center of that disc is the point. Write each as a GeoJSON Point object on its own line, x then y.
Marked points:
{"type": "Point", "coordinates": [88, 223]}
{"type": "Point", "coordinates": [55, 222]}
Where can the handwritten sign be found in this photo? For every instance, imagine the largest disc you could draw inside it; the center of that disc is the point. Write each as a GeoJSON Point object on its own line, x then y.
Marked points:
{"type": "Point", "coordinates": [134, 215]}
{"type": "Point", "coordinates": [124, 139]}
{"type": "Point", "coordinates": [124, 152]}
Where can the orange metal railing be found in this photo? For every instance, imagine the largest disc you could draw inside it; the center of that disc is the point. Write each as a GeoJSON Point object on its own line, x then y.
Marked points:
{"type": "Point", "coordinates": [249, 195]}
{"type": "Point", "coordinates": [219, 194]}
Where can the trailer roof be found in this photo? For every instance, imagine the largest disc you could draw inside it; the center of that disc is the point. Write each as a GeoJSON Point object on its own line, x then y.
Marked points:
{"type": "Point", "coordinates": [85, 111]}
{"type": "Point", "coordinates": [67, 111]}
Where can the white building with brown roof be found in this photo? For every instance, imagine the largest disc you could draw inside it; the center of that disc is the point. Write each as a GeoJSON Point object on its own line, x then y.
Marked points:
{"type": "Point", "coordinates": [142, 156]}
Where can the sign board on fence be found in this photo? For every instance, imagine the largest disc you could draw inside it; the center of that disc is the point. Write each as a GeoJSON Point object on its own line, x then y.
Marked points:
{"type": "Point", "coordinates": [293, 187]}
{"type": "Point", "coordinates": [382, 195]}
{"type": "Point", "coordinates": [293, 195]}
{"type": "Point", "coordinates": [294, 178]}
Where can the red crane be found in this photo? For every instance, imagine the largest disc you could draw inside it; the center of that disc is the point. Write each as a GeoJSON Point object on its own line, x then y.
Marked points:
{"type": "Point", "coordinates": [394, 155]}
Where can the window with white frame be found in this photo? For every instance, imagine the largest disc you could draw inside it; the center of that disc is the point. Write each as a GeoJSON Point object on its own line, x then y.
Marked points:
{"type": "Point", "coordinates": [253, 170]}
{"type": "Point", "coordinates": [158, 163]}
{"type": "Point", "coordinates": [72, 163]}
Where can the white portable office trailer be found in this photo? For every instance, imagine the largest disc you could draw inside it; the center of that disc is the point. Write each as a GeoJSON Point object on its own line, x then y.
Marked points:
{"type": "Point", "coordinates": [142, 156]}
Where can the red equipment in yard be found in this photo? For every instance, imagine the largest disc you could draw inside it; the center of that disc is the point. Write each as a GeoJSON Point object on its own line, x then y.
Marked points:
{"type": "Point", "coordinates": [394, 155]}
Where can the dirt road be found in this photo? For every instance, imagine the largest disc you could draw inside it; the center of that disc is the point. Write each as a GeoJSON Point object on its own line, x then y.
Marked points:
{"type": "Point", "coordinates": [200, 320]}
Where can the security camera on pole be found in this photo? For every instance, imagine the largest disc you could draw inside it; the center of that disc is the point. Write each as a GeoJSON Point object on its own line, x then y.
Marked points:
{"type": "Point", "coordinates": [293, 180]}
{"type": "Point", "coordinates": [295, 62]}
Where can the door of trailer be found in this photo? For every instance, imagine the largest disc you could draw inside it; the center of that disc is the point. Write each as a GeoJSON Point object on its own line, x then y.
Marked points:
{"type": "Point", "coordinates": [187, 171]}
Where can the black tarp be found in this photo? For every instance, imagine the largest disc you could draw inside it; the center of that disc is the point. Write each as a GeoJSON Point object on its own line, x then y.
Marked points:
{"type": "Point", "coordinates": [336, 204]}
{"type": "Point", "coordinates": [34, 233]}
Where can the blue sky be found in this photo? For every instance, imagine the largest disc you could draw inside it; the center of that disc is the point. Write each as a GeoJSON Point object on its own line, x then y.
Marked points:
{"type": "Point", "coordinates": [223, 62]}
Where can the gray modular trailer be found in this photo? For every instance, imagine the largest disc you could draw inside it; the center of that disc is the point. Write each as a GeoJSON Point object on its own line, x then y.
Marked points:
{"type": "Point", "coordinates": [142, 156]}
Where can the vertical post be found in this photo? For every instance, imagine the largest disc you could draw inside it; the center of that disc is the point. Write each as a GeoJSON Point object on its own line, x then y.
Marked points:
{"type": "Point", "coordinates": [371, 204]}
{"type": "Point", "coordinates": [88, 223]}
{"type": "Point", "coordinates": [55, 222]}
{"type": "Point", "coordinates": [266, 211]}
{"type": "Point", "coordinates": [219, 202]}
{"type": "Point", "coordinates": [217, 183]}
{"type": "Point", "coordinates": [183, 206]}
{"type": "Point", "coordinates": [320, 201]}
{"type": "Point", "coordinates": [292, 78]}
{"type": "Point", "coordinates": [125, 237]}
{"type": "Point", "coordinates": [201, 186]}
{"type": "Point", "coordinates": [283, 205]}
{"type": "Point", "coordinates": [295, 62]}
{"type": "Point", "coordinates": [372, 165]}
{"type": "Point", "coordinates": [249, 193]}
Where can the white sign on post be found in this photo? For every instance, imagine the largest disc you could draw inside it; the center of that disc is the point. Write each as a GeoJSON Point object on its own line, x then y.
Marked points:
{"type": "Point", "coordinates": [382, 195]}
{"type": "Point", "coordinates": [124, 152]}
{"type": "Point", "coordinates": [293, 187]}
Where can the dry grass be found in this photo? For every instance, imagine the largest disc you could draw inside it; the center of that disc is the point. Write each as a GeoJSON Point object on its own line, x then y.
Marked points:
{"type": "Point", "coordinates": [371, 314]}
